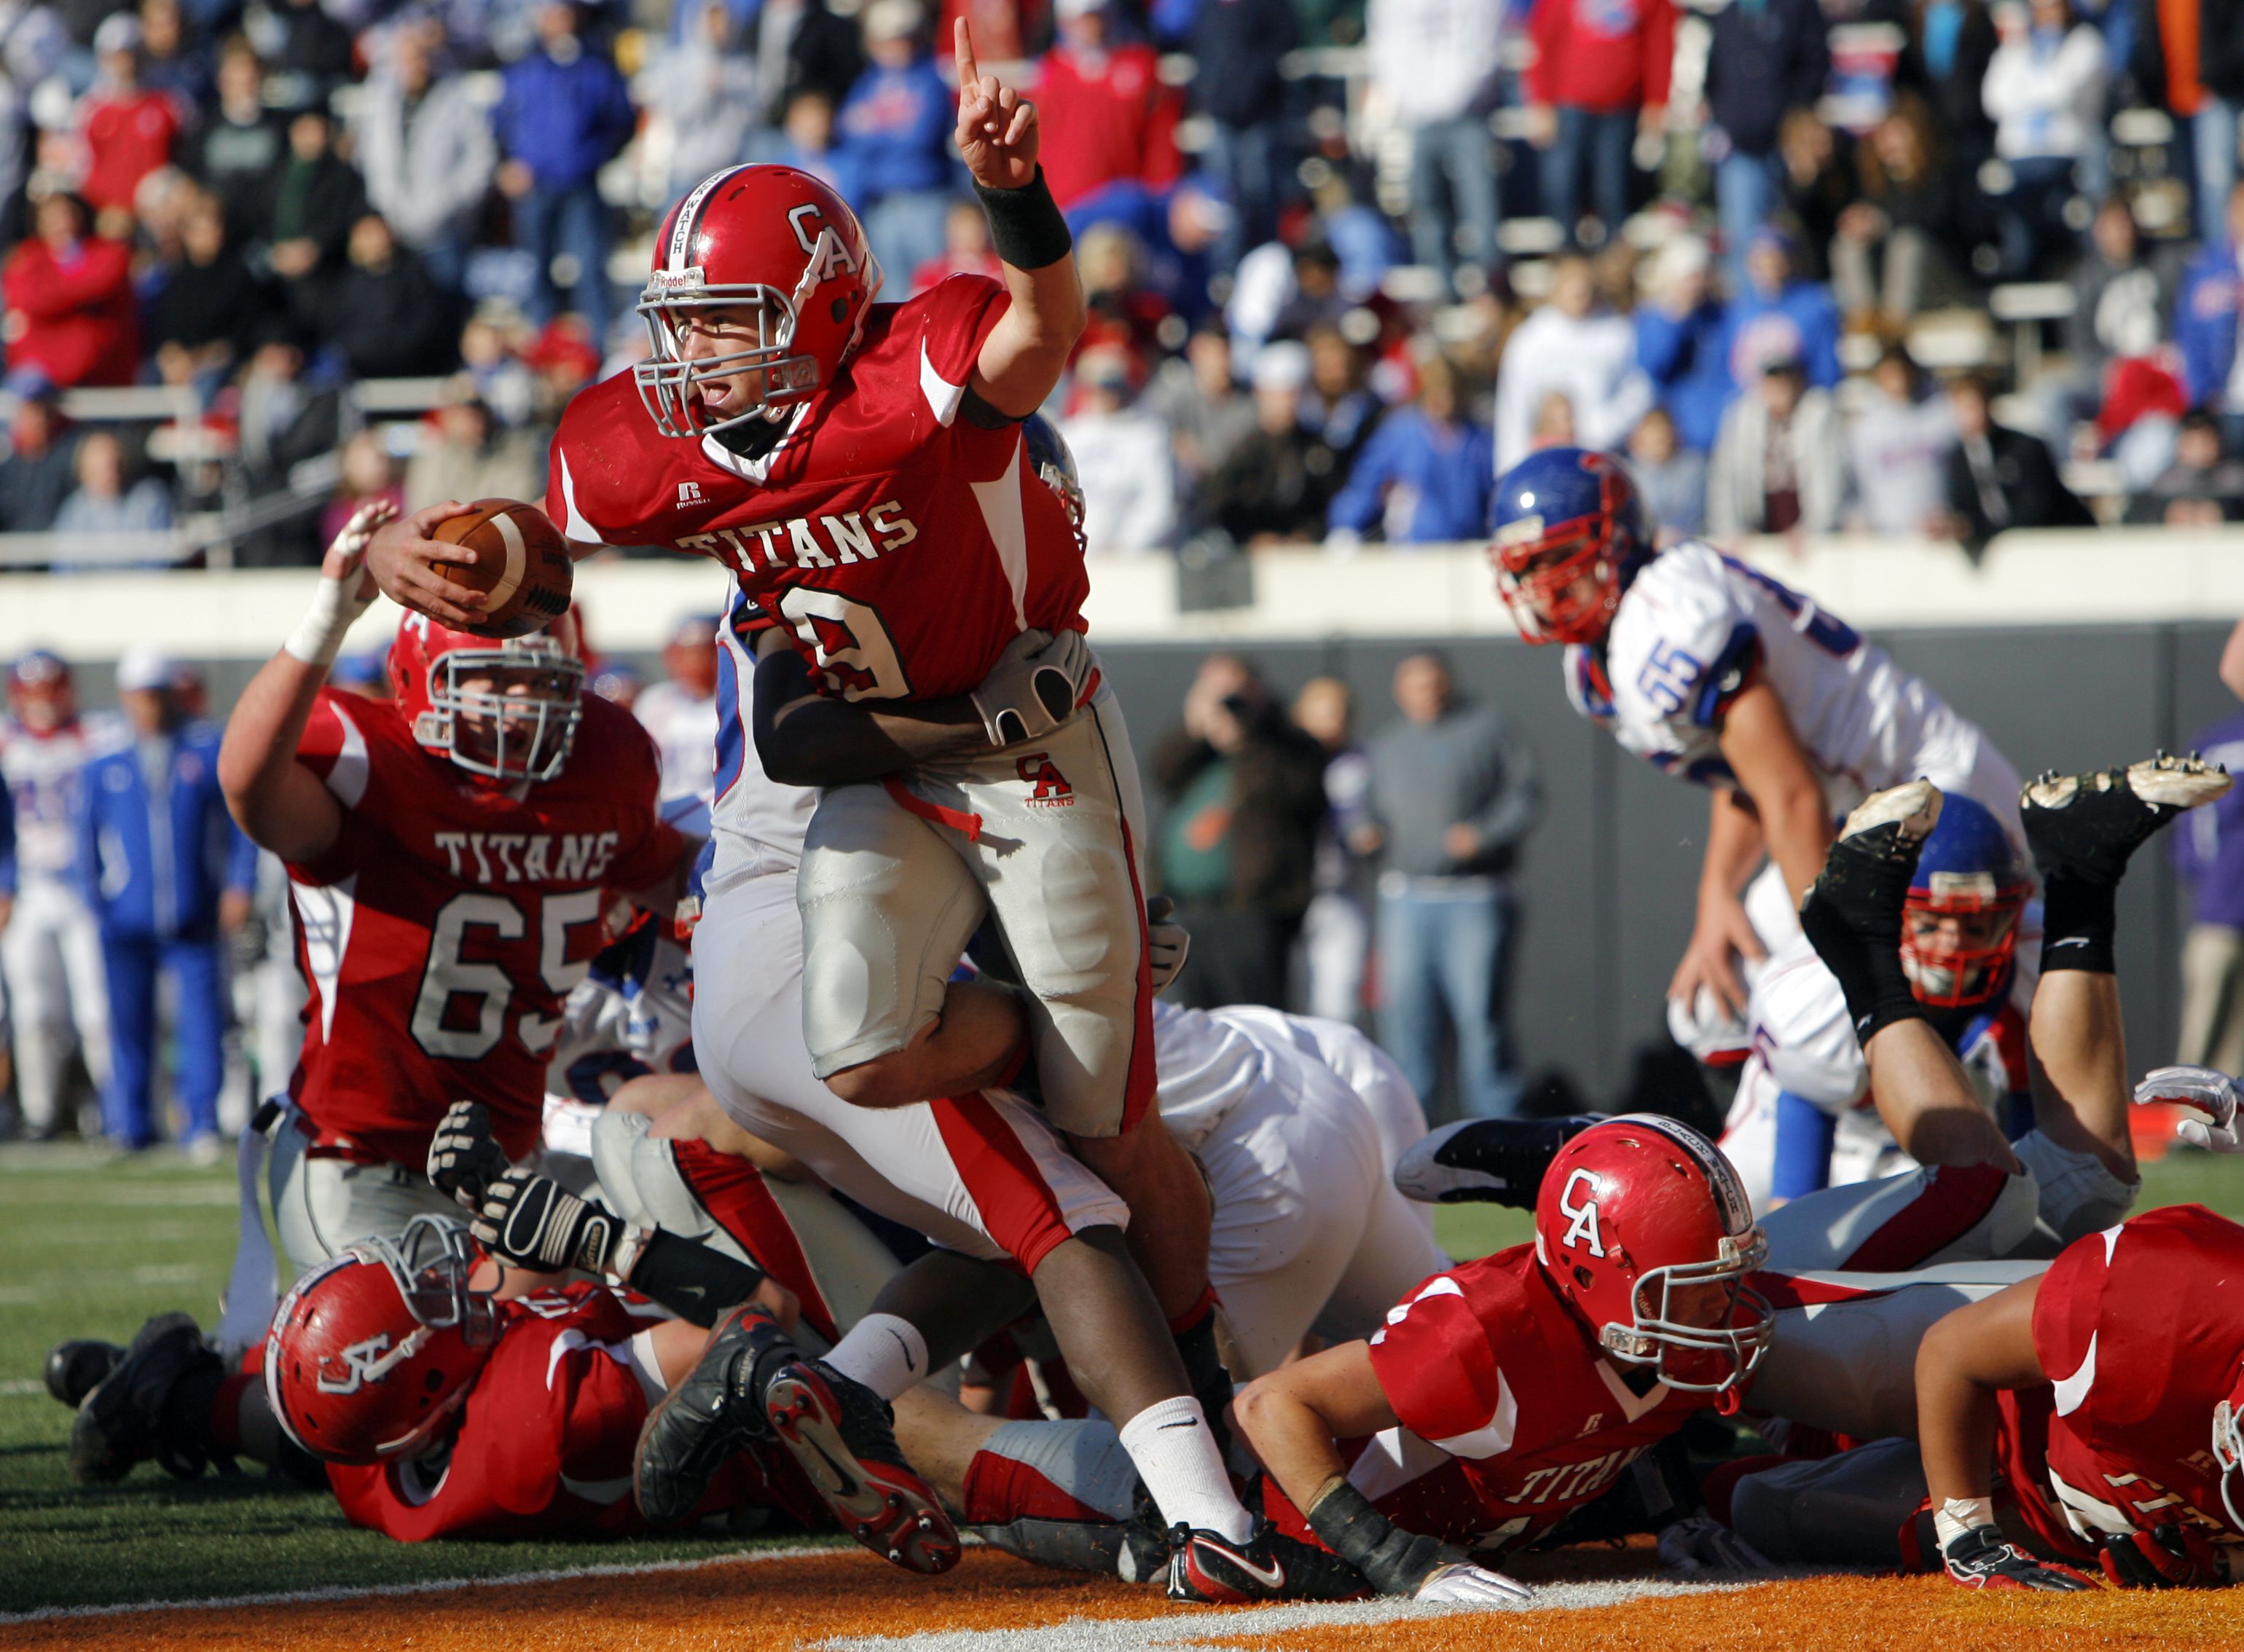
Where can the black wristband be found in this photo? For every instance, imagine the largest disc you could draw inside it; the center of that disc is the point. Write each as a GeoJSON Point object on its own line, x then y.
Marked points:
{"type": "Point", "coordinates": [1392, 1560]}
{"type": "Point", "coordinates": [2079, 916]}
{"type": "Point", "coordinates": [1025, 226]}
{"type": "Point", "coordinates": [693, 1281]}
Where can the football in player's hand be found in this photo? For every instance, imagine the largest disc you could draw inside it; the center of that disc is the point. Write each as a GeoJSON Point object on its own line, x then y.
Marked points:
{"type": "Point", "coordinates": [521, 560]}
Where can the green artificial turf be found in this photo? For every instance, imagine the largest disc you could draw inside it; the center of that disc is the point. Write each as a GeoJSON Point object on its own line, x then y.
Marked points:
{"type": "Point", "coordinates": [93, 1249]}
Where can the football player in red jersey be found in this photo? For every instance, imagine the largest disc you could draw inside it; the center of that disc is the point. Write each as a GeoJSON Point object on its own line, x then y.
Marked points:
{"type": "Point", "coordinates": [1542, 1372]}
{"type": "Point", "coordinates": [452, 856]}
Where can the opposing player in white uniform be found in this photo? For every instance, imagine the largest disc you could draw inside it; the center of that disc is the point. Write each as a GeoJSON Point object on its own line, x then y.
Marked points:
{"type": "Point", "coordinates": [680, 712]}
{"type": "Point", "coordinates": [50, 947]}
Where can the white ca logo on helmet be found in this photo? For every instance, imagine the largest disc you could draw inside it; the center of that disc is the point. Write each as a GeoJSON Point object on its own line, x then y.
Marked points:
{"type": "Point", "coordinates": [828, 253]}
{"type": "Point", "coordinates": [369, 1361]}
{"type": "Point", "coordinates": [1581, 1219]}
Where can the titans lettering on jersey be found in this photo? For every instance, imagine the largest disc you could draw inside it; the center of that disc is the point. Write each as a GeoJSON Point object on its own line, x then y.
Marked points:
{"type": "Point", "coordinates": [442, 932]}
{"type": "Point", "coordinates": [898, 546]}
{"type": "Point", "coordinates": [1696, 628]}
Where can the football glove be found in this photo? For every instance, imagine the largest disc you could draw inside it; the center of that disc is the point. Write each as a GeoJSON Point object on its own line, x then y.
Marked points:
{"type": "Point", "coordinates": [1168, 943]}
{"type": "Point", "coordinates": [2165, 1557]}
{"type": "Point", "coordinates": [1462, 1583]}
{"type": "Point", "coordinates": [2208, 1099]}
{"type": "Point", "coordinates": [1979, 1558]}
{"type": "Point", "coordinates": [530, 1221]}
{"type": "Point", "coordinates": [465, 1157]}
{"type": "Point", "coordinates": [1034, 686]}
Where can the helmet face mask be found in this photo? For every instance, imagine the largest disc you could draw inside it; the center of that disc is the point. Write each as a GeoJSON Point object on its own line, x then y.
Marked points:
{"type": "Point", "coordinates": [1960, 926]}
{"type": "Point", "coordinates": [1685, 1319]}
{"type": "Point", "coordinates": [769, 378]}
{"type": "Point", "coordinates": [2229, 1452]}
{"type": "Point", "coordinates": [502, 711]}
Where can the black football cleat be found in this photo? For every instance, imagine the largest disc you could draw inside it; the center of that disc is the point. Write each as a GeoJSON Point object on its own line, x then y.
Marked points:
{"type": "Point", "coordinates": [709, 1418]}
{"type": "Point", "coordinates": [2086, 827]}
{"type": "Point", "coordinates": [121, 1420]}
{"type": "Point", "coordinates": [1866, 875]}
{"type": "Point", "coordinates": [76, 1369]}
{"type": "Point", "coordinates": [1488, 1161]}
{"type": "Point", "coordinates": [842, 1434]}
{"type": "Point", "coordinates": [1209, 1570]}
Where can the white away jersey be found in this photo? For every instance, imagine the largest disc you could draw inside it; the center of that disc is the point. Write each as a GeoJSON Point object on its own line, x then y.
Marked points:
{"type": "Point", "coordinates": [42, 772]}
{"type": "Point", "coordinates": [756, 824]}
{"type": "Point", "coordinates": [685, 733]}
{"type": "Point", "coordinates": [1697, 628]}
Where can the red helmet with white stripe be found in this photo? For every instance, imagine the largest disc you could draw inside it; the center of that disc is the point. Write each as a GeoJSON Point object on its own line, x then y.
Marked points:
{"type": "Point", "coordinates": [503, 710]}
{"type": "Point", "coordinates": [372, 1353]}
{"type": "Point", "coordinates": [1644, 1229]}
{"type": "Point", "coordinates": [2228, 1451]}
{"type": "Point", "coordinates": [762, 279]}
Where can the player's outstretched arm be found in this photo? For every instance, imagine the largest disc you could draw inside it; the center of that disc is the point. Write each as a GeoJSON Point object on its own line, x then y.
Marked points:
{"type": "Point", "coordinates": [280, 804]}
{"type": "Point", "coordinates": [1026, 352]}
{"type": "Point", "coordinates": [1722, 932]}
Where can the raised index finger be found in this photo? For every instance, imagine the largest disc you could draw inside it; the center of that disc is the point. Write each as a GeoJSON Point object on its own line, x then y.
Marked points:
{"type": "Point", "coordinates": [963, 43]}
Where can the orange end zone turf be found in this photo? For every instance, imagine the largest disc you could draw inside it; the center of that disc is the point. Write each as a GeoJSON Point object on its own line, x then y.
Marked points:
{"type": "Point", "coordinates": [807, 1601]}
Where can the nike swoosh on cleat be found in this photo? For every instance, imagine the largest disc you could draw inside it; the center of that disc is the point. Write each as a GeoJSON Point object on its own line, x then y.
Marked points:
{"type": "Point", "coordinates": [1271, 1576]}
{"type": "Point", "coordinates": [2070, 940]}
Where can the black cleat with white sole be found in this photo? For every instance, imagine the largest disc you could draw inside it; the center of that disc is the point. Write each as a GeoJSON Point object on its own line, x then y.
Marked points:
{"type": "Point", "coordinates": [121, 1421]}
{"type": "Point", "coordinates": [709, 1417]}
{"type": "Point", "coordinates": [2086, 827]}
{"type": "Point", "coordinates": [1489, 1160]}
{"type": "Point", "coordinates": [1208, 1569]}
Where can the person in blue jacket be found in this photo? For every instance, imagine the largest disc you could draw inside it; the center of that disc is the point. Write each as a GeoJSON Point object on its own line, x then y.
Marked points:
{"type": "Point", "coordinates": [167, 875]}
{"type": "Point", "coordinates": [1443, 462]}
{"type": "Point", "coordinates": [1778, 315]}
{"type": "Point", "coordinates": [2206, 324]}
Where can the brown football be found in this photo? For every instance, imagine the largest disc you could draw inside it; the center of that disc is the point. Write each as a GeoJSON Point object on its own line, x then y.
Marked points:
{"type": "Point", "coordinates": [521, 559]}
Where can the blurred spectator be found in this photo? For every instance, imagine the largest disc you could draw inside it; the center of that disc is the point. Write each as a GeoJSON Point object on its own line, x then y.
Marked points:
{"type": "Point", "coordinates": [1277, 482]}
{"type": "Point", "coordinates": [1670, 478]}
{"type": "Point", "coordinates": [241, 148]}
{"type": "Point", "coordinates": [198, 316]}
{"type": "Point", "coordinates": [368, 474]}
{"type": "Point", "coordinates": [1245, 798]}
{"type": "Point", "coordinates": [1340, 406]}
{"type": "Point", "coordinates": [172, 61]}
{"type": "Point", "coordinates": [503, 383]}
{"type": "Point", "coordinates": [32, 47]}
{"type": "Point", "coordinates": [810, 145]}
{"type": "Point", "coordinates": [167, 874]}
{"type": "Point", "coordinates": [2044, 90]}
{"type": "Point", "coordinates": [897, 123]}
{"type": "Point", "coordinates": [284, 418]}
{"type": "Point", "coordinates": [465, 454]}
{"type": "Point", "coordinates": [2205, 323]}
{"type": "Point", "coordinates": [1122, 454]}
{"type": "Point", "coordinates": [2120, 298]}
{"type": "Point", "coordinates": [316, 51]}
{"type": "Point", "coordinates": [1427, 475]}
{"type": "Point", "coordinates": [315, 201]}
{"type": "Point", "coordinates": [1554, 423]}
{"type": "Point", "coordinates": [1238, 44]}
{"type": "Point", "coordinates": [1893, 244]}
{"type": "Point", "coordinates": [2208, 851]}
{"type": "Point", "coordinates": [2201, 489]}
{"type": "Point", "coordinates": [563, 115]}
{"type": "Point", "coordinates": [1123, 310]}
{"type": "Point", "coordinates": [383, 312]}
{"type": "Point", "coordinates": [702, 92]}
{"type": "Point", "coordinates": [1317, 299]}
{"type": "Point", "coordinates": [966, 248]}
{"type": "Point", "coordinates": [1207, 413]}
{"type": "Point", "coordinates": [564, 359]}
{"type": "Point", "coordinates": [41, 466]}
{"type": "Point", "coordinates": [1898, 443]}
{"type": "Point", "coordinates": [1336, 929]}
{"type": "Point", "coordinates": [1949, 52]}
{"type": "Point", "coordinates": [70, 314]}
{"type": "Point", "coordinates": [1679, 334]}
{"type": "Point", "coordinates": [102, 504]}
{"type": "Point", "coordinates": [1599, 77]}
{"type": "Point", "coordinates": [1574, 344]}
{"type": "Point", "coordinates": [127, 128]}
{"type": "Point", "coordinates": [1776, 316]}
{"type": "Point", "coordinates": [1999, 478]}
{"type": "Point", "coordinates": [1778, 467]}
{"type": "Point", "coordinates": [1763, 61]}
{"type": "Point", "coordinates": [802, 46]}
{"type": "Point", "coordinates": [1453, 795]}
{"type": "Point", "coordinates": [680, 713]}
{"type": "Point", "coordinates": [1435, 61]}
{"type": "Point", "coordinates": [619, 682]}
{"type": "Point", "coordinates": [425, 146]}
{"type": "Point", "coordinates": [2220, 63]}
{"type": "Point", "coordinates": [1107, 118]}
{"type": "Point", "coordinates": [1816, 179]}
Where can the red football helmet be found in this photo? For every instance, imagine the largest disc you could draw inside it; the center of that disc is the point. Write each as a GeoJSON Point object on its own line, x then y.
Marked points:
{"type": "Point", "coordinates": [505, 710]}
{"type": "Point", "coordinates": [371, 1353]}
{"type": "Point", "coordinates": [1634, 1211]}
{"type": "Point", "coordinates": [2228, 1450]}
{"type": "Point", "coordinates": [779, 244]}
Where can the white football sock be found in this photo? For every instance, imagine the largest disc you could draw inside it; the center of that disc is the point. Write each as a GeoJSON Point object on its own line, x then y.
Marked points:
{"type": "Point", "coordinates": [1176, 1457]}
{"type": "Point", "coordinates": [884, 1353]}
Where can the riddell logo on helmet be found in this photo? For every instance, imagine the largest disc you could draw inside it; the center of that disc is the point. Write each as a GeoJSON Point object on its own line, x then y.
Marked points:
{"type": "Point", "coordinates": [1581, 1219]}
{"type": "Point", "coordinates": [1052, 791]}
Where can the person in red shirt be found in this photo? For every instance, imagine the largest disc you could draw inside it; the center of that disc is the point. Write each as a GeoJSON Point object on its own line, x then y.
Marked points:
{"type": "Point", "coordinates": [1600, 76]}
{"type": "Point", "coordinates": [1108, 119]}
{"type": "Point", "coordinates": [127, 129]}
{"type": "Point", "coordinates": [70, 310]}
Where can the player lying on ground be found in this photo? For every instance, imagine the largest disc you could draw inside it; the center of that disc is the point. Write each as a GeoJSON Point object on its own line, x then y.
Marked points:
{"type": "Point", "coordinates": [452, 856]}
{"type": "Point", "coordinates": [2074, 1171]}
{"type": "Point", "coordinates": [1719, 674]}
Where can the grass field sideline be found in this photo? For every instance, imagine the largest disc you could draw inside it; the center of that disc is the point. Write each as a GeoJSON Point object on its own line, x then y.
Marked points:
{"type": "Point", "coordinates": [96, 1247]}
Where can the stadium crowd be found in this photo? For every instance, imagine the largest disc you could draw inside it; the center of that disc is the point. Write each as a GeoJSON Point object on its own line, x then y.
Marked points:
{"type": "Point", "coordinates": [1723, 238]}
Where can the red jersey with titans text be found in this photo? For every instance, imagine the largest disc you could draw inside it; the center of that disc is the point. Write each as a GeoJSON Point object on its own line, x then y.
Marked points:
{"type": "Point", "coordinates": [441, 931]}
{"type": "Point", "coordinates": [899, 545]}
{"type": "Point", "coordinates": [2140, 1329]}
{"type": "Point", "coordinates": [1511, 1417]}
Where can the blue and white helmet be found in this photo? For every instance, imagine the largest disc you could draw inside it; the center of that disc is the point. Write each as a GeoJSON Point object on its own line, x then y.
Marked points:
{"type": "Point", "coordinates": [1571, 535]}
{"type": "Point", "coordinates": [1960, 928]}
